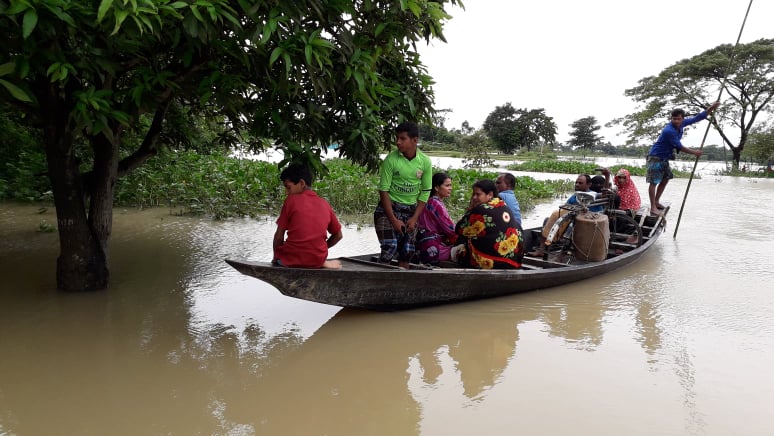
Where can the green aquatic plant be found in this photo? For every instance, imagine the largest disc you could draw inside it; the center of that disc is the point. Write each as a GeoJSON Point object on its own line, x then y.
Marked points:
{"type": "Point", "coordinates": [223, 186]}
{"type": "Point", "coordinates": [45, 227]}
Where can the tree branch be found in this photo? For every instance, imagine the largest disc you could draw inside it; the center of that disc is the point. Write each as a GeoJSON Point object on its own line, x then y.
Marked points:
{"type": "Point", "coordinates": [148, 147]}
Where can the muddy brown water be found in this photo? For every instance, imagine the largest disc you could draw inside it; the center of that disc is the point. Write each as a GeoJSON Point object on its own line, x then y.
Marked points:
{"type": "Point", "coordinates": [680, 343]}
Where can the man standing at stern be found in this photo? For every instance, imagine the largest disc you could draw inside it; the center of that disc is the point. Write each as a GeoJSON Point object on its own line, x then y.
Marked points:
{"type": "Point", "coordinates": [663, 150]}
{"type": "Point", "coordinates": [405, 182]}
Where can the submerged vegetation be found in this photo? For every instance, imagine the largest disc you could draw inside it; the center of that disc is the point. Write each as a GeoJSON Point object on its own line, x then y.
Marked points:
{"type": "Point", "coordinates": [222, 186]}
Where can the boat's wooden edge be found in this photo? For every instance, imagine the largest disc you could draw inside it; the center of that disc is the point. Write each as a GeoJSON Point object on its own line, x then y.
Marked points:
{"type": "Point", "coordinates": [236, 263]}
{"type": "Point", "coordinates": [367, 262]}
{"type": "Point", "coordinates": [364, 283]}
{"type": "Point", "coordinates": [244, 264]}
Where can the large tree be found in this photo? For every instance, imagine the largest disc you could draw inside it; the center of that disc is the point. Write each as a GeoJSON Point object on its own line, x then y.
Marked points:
{"type": "Point", "coordinates": [511, 129]}
{"type": "Point", "coordinates": [584, 133]}
{"type": "Point", "coordinates": [760, 147]}
{"type": "Point", "coordinates": [303, 73]}
{"type": "Point", "coordinates": [476, 147]}
{"type": "Point", "coordinates": [748, 89]}
{"type": "Point", "coordinates": [436, 132]}
{"type": "Point", "coordinates": [536, 128]}
{"type": "Point", "coordinates": [501, 128]}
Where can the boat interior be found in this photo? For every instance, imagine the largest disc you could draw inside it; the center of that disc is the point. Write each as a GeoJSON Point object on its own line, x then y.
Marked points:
{"type": "Point", "coordinates": [627, 231]}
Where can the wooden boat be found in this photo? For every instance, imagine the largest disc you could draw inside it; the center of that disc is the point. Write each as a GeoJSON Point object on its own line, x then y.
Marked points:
{"type": "Point", "coordinates": [364, 283]}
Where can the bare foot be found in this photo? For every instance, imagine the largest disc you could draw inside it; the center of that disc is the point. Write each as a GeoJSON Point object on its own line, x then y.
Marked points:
{"type": "Point", "coordinates": [332, 264]}
{"type": "Point", "coordinates": [660, 206]}
{"type": "Point", "coordinates": [655, 212]}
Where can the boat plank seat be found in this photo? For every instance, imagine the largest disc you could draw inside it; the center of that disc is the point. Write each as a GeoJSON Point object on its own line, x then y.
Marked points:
{"type": "Point", "coordinates": [642, 213]}
{"type": "Point", "coordinates": [393, 264]}
{"type": "Point", "coordinates": [650, 223]}
{"type": "Point", "coordinates": [530, 267]}
{"type": "Point", "coordinates": [651, 231]}
{"type": "Point", "coordinates": [539, 263]}
{"type": "Point", "coordinates": [373, 261]}
{"type": "Point", "coordinates": [617, 244]}
{"type": "Point", "coordinates": [448, 264]}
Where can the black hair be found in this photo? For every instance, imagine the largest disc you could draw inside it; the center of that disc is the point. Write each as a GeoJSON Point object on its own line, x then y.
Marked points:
{"type": "Point", "coordinates": [587, 177]}
{"type": "Point", "coordinates": [597, 184]}
{"type": "Point", "coordinates": [676, 112]}
{"type": "Point", "coordinates": [295, 172]}
{"type": "Point", "coordinates": [510, 179]}
{"type": "Point", "coordinates": [486, 186]}
{"type": "Point", "coordinates": [438, 179]}
{"type": "Point", "coordinates": [407, 126]}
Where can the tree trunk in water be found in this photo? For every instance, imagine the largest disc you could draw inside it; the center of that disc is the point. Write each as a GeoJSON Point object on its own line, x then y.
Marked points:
{"type": "Point", "coordinates": [737, 156]}
{"type": "Point", "coordinates": [102, 188]}
{"type": "Point", "coordinates": [83, 239]}
{"type": "Point", "coordinates": [82, 264]}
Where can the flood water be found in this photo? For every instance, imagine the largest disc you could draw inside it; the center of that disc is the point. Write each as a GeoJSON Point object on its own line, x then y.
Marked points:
{"type": "Point", "coordinates": [680, 343]}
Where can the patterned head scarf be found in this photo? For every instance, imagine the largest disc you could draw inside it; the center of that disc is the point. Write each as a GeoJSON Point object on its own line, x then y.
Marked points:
{"type": "Point", "coordinates": [630, 198]}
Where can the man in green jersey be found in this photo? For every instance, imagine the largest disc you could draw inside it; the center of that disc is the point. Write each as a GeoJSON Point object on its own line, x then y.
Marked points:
{"type": "Point", "coordinates": [405, 181]}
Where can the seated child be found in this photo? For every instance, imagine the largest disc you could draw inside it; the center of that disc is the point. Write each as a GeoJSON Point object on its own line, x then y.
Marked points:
{"type": "Point", "coordinates": [307, 219]}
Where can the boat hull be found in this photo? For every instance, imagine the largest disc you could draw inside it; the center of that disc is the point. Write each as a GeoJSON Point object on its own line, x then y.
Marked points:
{"type": "Point", "coordinates": [361, 283]}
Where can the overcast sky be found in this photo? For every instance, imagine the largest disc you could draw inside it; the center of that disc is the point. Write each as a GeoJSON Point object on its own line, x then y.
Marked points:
{"type": "Point", "coordinates": [575, 58]}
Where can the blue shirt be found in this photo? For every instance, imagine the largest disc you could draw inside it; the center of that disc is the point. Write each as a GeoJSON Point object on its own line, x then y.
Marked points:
{"type": "Point", "coordinates": [670, 137]}
{"type": "Point", "coordinates": [574, 200]}
{"type": "Point", "coordinates": [510, 199]}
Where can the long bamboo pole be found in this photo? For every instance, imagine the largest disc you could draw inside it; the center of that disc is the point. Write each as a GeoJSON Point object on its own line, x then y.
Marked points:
{"type": "Point", "coordinates": [709, 124]}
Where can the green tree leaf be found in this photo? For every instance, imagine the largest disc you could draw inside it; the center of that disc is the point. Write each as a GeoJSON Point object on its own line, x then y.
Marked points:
{"type": "Point", "coordinates": [30, 21]}
{"type": "Point", "coordinates": [15, 91]}
{"type": "Point", "coordinates": [104, 7]}
{"type": "Point", "coordinates": [7, 68]}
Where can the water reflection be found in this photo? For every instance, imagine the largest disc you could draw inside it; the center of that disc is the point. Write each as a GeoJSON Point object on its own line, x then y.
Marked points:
{"type": "Point", "coordinates": [380, 366]}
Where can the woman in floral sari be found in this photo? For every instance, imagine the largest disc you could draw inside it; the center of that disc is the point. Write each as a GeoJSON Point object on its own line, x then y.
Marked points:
{"type": "Point", "coordinates": [487, 236]}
